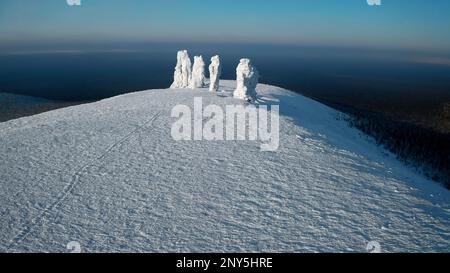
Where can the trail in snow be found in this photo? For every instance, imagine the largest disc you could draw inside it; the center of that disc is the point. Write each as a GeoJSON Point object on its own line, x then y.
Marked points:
{"type": "Point", "coordinates": [72, 184]}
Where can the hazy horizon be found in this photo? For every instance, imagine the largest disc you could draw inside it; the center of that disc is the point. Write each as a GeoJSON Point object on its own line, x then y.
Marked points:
{"type": "Point", "coordinates": [417, 25]}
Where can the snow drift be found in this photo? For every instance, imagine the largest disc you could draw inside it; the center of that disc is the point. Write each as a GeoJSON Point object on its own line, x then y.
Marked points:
{"type": "Point", "coordinates": [109, 176]}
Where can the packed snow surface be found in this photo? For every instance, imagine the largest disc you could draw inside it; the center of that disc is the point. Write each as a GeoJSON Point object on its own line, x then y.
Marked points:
{"type": "Point", "coordinates": [109, 176]}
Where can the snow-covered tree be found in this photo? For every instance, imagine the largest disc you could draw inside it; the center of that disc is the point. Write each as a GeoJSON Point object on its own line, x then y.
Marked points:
{"type": "Point", "coordinates": [215, 71]}
{"type": "Point", "coordinates": [198, 73]}
{"type": "Point", "coordinates": [247, 78]}
{"type": "Point", "coordinates": [183, 70]}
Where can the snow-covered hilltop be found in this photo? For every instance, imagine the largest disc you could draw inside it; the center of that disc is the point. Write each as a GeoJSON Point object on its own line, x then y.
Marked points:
{"type": "Point", "coordinates": [110, 176]}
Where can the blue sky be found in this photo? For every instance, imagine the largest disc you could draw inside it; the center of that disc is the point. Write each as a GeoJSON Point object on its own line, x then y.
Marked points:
{"type": "Point", "coordinates": [397, 24]}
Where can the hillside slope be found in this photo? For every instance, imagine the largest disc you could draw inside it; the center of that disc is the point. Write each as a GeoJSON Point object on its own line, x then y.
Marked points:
{"type": "Point", "coordinates": [110, 176]}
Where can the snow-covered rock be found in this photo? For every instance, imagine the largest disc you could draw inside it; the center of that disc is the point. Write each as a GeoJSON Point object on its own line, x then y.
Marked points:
{"type": "Point", "coordinates": [215, 71]}
{"type": "Point", "coordinates": [186, 68]}
{"type": "Point", "coordinates": [178, 73]}
{"type": "Point", "coordinates": [247, 78]}
{"type": "Point", "coordinates": [198, 73]}
{"type": "Point", "coordinates": [109, 176]}
{"type": "Point", "coordinates": [183, 70]}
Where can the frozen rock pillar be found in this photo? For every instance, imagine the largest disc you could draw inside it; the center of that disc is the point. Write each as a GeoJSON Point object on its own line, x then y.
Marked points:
{"type": "Point", "coordinates": [183, 70]}
{"type": "Point", "coordinates": [177, 75]}
{"type": "Point", "coordinates": [247, 78]}
{"type": "Point", "coordinates": [215, 71]}
{"type": "Point", "coordinates": [198, 73]}
{"type": "Point", "coordinates": [186, 68]}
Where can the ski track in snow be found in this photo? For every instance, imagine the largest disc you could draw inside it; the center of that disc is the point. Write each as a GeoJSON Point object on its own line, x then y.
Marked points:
{"type": "Point", "coordinates": [328, 187]}
{"type": "Point", "coordinates": [73, 183]}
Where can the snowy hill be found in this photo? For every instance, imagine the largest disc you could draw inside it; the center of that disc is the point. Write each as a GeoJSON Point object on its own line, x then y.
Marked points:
{"type": "Point", "coordinates": [109, 176]}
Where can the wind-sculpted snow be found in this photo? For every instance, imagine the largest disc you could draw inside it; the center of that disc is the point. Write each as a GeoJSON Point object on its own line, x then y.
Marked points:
{"type": "Point", "coordinates": [109, 176]}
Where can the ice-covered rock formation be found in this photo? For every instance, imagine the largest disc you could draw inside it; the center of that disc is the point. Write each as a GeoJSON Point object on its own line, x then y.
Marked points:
{"type": "Point", "coordinates": [186, 69]}
{"type": "Point", "coordinates": [183, 70]}
{"type": "Point", "coordinates": [247, 78]}
{"type": "Point", "coordinates": [215, 71]}
{"type": "Point", "coordinates": [198, 73]}
{"type": "Point", "coordinates": [177, 75]}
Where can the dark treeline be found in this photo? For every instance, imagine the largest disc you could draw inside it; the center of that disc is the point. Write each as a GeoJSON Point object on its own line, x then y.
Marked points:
{"type": "Point", "coordinates": [426, 149]}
